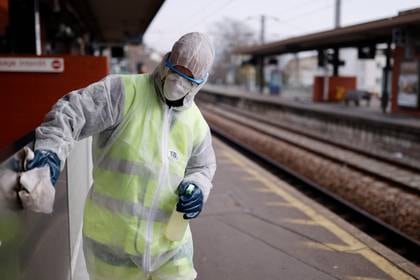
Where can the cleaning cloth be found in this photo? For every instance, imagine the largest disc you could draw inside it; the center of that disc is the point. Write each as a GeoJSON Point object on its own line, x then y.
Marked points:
{"type": "Point", "coordinates": [37, 192]}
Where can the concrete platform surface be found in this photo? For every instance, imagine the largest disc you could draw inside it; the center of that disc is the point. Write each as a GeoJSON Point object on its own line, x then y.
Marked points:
{"type": "Point", "coordinates": [256, 226]}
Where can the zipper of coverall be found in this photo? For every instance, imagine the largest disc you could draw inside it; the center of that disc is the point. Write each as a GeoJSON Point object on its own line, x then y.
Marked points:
{"type": "Point", "coordinates": [163, 171]}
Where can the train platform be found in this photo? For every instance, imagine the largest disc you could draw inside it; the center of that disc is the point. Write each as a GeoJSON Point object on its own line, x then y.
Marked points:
{"type": "Point", "coordinates": [256, 226]}
{"type": "Point", "coordinates": [371, 113]}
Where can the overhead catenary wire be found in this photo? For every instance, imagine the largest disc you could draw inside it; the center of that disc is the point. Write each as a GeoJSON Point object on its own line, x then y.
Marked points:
{"type": "Point", "coordinates": [208, 14]}
{"type": "Point", "coordinates": [201, 21]}
{"type": "Point", "coordinates": [304, 3]}
{"type": "Point", "coordinates": [212, 13]}
{"type": "Point", "coordinates": [278, 20]}
{"type": "Point", "coordinates": [289, 21]}
{"type": "Point", "coordinates": [311, 12]}
{"type": "Point", "coordinates": [194, 15]}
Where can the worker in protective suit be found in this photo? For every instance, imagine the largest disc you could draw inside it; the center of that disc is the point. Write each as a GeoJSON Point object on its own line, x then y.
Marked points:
{"type": "Point", "coordinates": [149, 137]}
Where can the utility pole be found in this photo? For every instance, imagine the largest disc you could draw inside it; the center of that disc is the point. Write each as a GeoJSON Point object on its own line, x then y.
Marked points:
{"type": "Point", "coordinates": [262, 30]}
{"type": "Point", "coordinates": [263, 19]}
{"type": "Point", "coordinates": [336, 55]}
{"type": "Point", "coordinates": [337, 13]}
{"type": "Point", "coordinates": [386, 70]}
{"type": "Point", "coordinates": [261, 60]}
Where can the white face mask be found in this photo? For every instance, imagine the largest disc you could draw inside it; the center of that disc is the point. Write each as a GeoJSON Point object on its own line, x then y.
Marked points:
{"type": "Point", "coordinates": [176, 87]}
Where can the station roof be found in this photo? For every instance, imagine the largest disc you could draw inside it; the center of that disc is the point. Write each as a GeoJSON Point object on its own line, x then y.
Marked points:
{"type": "Point", "coordinates": [117, 21]}
{"type": "Point", "coordinates": [378, 31]}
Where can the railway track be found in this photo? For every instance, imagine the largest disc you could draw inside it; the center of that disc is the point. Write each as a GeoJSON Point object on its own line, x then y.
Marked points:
{"type": "Point", "coordinates": [399, 174]}
{"type": "Point", "coordinates": [389, 139]}
{"type": "Point", "coordinates": [385, 233]}
{"type": "Point", "coordinates": [335, 142]}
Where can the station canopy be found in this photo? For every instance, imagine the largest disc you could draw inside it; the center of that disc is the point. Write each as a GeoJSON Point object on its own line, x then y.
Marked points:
{"type": "Point", "coordinates": [373, 32]}
{"type": "Point", "coordinates": [116, 21]}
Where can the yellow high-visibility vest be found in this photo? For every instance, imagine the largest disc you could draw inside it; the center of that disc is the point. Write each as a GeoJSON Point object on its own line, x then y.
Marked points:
{"type": "Point", "coordinates": [137, 169]}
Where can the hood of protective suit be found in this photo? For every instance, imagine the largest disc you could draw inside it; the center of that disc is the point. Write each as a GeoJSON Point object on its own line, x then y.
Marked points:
{"type": "Point", "coordinates": [193, 51]}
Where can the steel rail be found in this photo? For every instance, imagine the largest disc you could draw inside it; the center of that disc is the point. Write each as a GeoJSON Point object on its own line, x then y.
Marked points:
{"type": "Point", "coordinates": [394, 238]}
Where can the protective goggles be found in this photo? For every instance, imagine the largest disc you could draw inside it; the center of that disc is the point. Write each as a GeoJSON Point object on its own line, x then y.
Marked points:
{"type": "Point", "coordinates": [195, 81]}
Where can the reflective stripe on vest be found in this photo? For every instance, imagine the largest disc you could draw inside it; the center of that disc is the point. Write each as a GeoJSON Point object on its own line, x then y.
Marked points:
{"type": "Point", "coordinates": [126, 172]}
{"type": "Point", "coordinates": [117, 257]}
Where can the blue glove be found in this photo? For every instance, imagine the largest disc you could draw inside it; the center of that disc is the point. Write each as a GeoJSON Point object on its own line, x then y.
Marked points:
{"type": "Point", "coordinates": [190, 200]}
{"type": "Point", "coordinates": [45, 157]}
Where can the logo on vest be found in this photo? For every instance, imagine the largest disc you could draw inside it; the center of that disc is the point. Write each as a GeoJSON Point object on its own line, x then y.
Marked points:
{"type": "Point", "coordinates": [173, 155]}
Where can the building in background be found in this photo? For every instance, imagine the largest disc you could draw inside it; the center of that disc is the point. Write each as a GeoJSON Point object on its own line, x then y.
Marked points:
{"type": "Point", "coordinates": [299, 71]}
{"type": "Point", "coordinates": [395, 38]}
{"type": "Point", "coordinates": [368, 72]}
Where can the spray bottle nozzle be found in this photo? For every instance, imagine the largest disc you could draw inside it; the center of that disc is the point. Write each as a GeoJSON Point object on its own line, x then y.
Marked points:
{"type": "Point", "coordinates": [189, 190]}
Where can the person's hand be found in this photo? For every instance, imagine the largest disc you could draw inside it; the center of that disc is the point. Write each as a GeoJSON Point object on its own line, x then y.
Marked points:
{"type": "Point", "coordinates": [41, 158]}
{"type": "Point", "coordinates": [190, 200]}
{"type": "Point", "coordinates": [40, 172]}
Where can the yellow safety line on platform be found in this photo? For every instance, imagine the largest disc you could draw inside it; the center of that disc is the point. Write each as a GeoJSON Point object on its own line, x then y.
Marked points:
{"type": "Point", "coordinates": [353, 246]}
{"type": "Point", "coordinates": [278, 203]}
{"type": "Point", "coordinates": [248, 178]}
{"type": "Point", "coordinates": [262, 190]}
{"type": "Point", "coordinates": [300, 222]}
{"type": "Point", "coordinates": [319, 246]}
{"type": "Point", "coordinates": [334, 247]}
{"type": "Point", "coordinates": [362, 278]}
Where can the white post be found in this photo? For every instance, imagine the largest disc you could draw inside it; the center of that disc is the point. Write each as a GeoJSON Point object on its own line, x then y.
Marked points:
{"type": "Point", "coordinates": [337, 13]}
{"type": "Point", "coordinates": [37, 28]}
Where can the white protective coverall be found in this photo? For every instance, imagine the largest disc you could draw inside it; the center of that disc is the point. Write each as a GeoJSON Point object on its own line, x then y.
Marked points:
{"type": "Point", "coordinates": [142, 150]}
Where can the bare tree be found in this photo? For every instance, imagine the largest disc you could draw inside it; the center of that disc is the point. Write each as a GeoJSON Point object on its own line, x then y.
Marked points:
{"type": "Point", "coordinates": [228, 34]}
